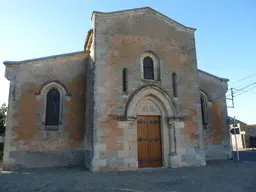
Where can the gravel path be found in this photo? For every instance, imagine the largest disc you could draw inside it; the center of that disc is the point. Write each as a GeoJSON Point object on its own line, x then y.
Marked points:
{"type": "Point", "coordinates": [225, 176]}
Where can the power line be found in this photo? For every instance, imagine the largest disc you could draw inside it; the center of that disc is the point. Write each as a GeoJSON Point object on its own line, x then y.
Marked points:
{"type": "Point", "coordinates": [246, 91]}
{"type": "Point", "coordinates": [233, 95]}
{"type": "Point", "coordinates": [238, 91]}
{"type": "Point", "coordinates": [243, 79]}
{"type": "Point", "coordinates": [241, 89]}
{"type": "Point", "coordinates": [252, 92]}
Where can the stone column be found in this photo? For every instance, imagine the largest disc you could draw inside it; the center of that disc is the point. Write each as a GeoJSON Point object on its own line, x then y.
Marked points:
{"type": "Point", "coordinates": [172, 141]}
{"type": "Point", "coordinates": [177, 152]}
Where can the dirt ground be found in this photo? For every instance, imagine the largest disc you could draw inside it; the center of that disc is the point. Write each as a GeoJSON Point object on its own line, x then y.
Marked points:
{"type": "Point", "coordinates": [215, 177]}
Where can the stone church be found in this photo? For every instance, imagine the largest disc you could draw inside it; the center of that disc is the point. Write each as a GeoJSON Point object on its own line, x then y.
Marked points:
{"type": "Point", "coordinates": [133, 98]}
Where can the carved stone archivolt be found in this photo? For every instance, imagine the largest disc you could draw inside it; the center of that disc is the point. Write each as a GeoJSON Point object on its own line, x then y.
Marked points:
{"type": "Point", "coordinates": [149, 107]}
{"type": "Point", "coordinates": [150, 99]}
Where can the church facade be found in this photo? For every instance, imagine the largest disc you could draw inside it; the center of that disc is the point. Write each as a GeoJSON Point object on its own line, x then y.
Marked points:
{"type": "Point", "coordinates": [133, 98]}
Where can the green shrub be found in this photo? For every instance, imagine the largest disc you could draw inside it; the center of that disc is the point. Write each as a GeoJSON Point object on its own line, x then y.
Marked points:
{"type": "Point", "coordinates": [1, 150]}
{"type": "Point", "coordinates": [1, 155]}
{"type": "Point", "coordinates": [1, 146]}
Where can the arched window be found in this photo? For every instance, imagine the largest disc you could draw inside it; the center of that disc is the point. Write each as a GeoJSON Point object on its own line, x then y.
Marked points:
{"type": "Point", "coordinates": [148, 68]}
{"type": "Point", "coordinates": [204, 111]}
{"type": "Point", "coordinates": [174, 85]}
{"type": "Point", "coordinates": [125, 80]}
{"type": "Point", "coordinates": [52, 108]}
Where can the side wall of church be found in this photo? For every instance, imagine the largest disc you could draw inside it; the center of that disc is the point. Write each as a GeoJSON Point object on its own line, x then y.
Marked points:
{"type": "Point", "coordinates": [28, 142]}
{"type": "Point", "coordinates": [120, 41]}
{"type": "Point", "coordinates": [216, 134]}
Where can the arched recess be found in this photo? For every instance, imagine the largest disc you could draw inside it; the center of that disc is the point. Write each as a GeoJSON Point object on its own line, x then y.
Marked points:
{"type": "Point", "coordinates": [204, 101]}
{"type": "Point", "coordinates": [155, 93]}
{"type": "Point", "coordinates": [156, 64]}
{"type": "Point", "coordinates": [41, 96]}
{"type": "Point", "coordinates": [51, 84]}
{"type": "Point", "coordinates": [153, 101]}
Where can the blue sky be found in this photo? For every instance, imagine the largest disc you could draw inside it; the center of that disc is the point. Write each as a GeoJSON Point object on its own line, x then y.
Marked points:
{"type": "Point", "coordinates": [225, 36]}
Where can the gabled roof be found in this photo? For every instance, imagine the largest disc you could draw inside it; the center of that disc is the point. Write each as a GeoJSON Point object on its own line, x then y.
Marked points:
{"type": "Point", "coordinates": [142, 10]}
{"type": "Point", "coordinates": [214, 76]}
{"type": "Point", "coordinates": [48, 58]}
{"type": "Point", "coordinates": [231, 121]}
{"type": "Point", "coordinates": [243, 125]}
{"type": "Point", "coordinates": [88, 40]}
{"type": "Point", "coordinates": [251, 125]}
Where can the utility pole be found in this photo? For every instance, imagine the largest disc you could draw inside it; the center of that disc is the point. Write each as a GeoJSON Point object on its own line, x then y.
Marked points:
{"type": "Point", "coordinates": [232, 98]}
{"type": "Point", "coordinates": [234, 127]}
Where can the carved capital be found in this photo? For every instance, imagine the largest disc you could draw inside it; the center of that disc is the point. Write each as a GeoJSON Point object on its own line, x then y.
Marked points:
{"type": "Point", "coordinates": [179, 118]}
{"type": "Point", "coordinates": [121, 118]}
{"type": "Point", "coordinates": [131, 119]}
{"type": "Point", "coordinates": [169, 121]}
{"type": "Point", "coordinates": [173, 153]}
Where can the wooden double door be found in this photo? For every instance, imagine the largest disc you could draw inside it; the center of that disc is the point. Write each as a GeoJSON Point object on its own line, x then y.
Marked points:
{"type": "Point", "coordinates": [149, 141]}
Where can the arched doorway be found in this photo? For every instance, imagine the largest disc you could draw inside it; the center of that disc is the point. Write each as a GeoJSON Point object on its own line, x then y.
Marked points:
{"type": "Point", "coordinates": [151, 107]}
{"type": "Point", "coordinates": [149, 135]}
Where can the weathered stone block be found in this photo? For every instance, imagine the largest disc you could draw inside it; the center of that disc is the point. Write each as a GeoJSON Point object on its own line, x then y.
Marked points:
{"type": "Point", "coordinates": [107, 155]}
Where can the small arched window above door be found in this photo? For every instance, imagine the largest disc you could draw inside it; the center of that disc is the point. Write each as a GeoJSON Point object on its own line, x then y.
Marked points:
{"type": "Point", "coordinates": [148, 68]}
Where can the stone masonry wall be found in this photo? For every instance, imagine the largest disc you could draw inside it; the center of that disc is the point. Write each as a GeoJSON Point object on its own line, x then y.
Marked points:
{"type": "Point", "coordinates": [27, 144]}
{"type": "Point", "coordinates": [120, 40]}
{"type": "Point", "coordinates": [216, 136]}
